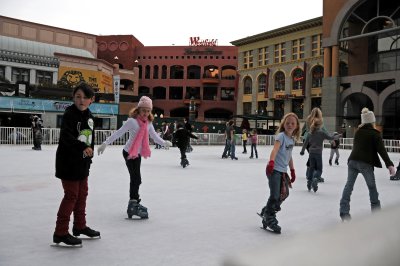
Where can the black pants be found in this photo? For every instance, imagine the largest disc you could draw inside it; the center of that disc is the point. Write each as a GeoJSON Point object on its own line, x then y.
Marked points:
{"type": "Point", "coordinates": [183, 152]}
{"type": "Point", "coordinates": [134, 173]}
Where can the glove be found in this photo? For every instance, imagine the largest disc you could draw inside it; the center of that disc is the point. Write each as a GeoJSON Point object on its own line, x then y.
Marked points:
{"type": "Point", "coordinates": [292, 175]}
{"type": "Point", "coordinates": [302, 153]}
{"type": "Point", "coordinates": [392, 170]}
{"type": "Point", "coordinates": [101, 149]}
{"type": "Point", "coordinates": [168, 144]}
{"type": "Point", "coordinates": [270, 167]}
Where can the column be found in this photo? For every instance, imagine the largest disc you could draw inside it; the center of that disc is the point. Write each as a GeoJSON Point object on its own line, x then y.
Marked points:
{"type": "Point", "coordinates": [335, 61]}
{"type": "Point", "coordinates": [7, 73]}
{"type": "Point", "coordinates": [32, 76]}
{"type": "Point", "coordinates": [327, 62]}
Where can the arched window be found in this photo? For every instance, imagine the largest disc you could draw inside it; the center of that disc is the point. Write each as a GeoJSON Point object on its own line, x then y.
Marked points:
{"type": "Point", "coordinates": [164, 72]}
{"type": "Point", "coordinates": [193, 72]}
{"type": "Point", "coordinates": [317, 75]}
{"type": "Point", "coordinates": [279, 81]}
{"type": "Point", "coordinates": [176, 72]}
{"type": "Point", "coordinates": [297, 79]}
{"type": "Point", "coordinates": [155, 72]}
{"type": "Point", "coordinates": [147, 72]}
{"type": "Point", "coordinates": [247, 85]}
{"type": "Point", "coordinates": [262, 82]}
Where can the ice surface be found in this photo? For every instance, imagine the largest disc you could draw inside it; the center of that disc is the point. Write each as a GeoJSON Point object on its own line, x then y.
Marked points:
{"type": "Point", "coordinates": [197, 216]}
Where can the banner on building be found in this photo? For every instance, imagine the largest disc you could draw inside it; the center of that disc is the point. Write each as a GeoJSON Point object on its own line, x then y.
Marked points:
{"type": "Point", "coordinates": [116, 82]}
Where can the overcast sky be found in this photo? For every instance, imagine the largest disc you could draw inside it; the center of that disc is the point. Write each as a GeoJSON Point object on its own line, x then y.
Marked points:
{"type": "Point", "coordinates": [165, 22]}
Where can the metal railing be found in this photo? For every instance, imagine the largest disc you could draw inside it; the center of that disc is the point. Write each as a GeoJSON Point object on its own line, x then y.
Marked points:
{"type": "Point", "coordinates": [24, 136]}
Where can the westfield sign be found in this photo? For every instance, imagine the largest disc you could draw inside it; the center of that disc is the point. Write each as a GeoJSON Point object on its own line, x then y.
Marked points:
{"type": "Point", "coordinates": [196, 41]}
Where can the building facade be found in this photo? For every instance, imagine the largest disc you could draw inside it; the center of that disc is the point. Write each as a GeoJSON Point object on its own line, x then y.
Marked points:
{"type": "Point", "coordinates": [40, 65]}
{"type": "Point", "coordinates": [362, 64]}
{"type": "Point", "coordinates": [281, 71]}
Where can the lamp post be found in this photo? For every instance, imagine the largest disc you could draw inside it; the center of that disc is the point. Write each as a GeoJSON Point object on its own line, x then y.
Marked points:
{"type": "Point", "coordinates": [192, 110]}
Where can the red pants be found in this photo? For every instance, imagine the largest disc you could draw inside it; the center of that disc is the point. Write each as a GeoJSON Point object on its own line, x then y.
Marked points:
{"type": "Point", "coordinates": [75, 194]}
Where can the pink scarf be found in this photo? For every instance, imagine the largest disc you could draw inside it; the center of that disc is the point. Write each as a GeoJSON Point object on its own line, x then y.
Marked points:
{"type": "Point", "coordinates": [141, 140]}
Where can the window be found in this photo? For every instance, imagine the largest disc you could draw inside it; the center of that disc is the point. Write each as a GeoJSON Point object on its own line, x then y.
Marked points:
{"type": "Point", "coordinates": [262, 107]}
{"type": "Point", "coordinates": [247, 85]}
{"type": "Point", "coordinates": [155, 72]}
{"type": "Point", "coordinates": [279, 109]}
{"type": "Point", "coordinates": [248, 59]}
{"type": "Point", "coordinates": [297, 107]}
{"type": "Point", "coordinates": [316, 45]}
{"type": "Point", "coordinates": [298, 49]}
{"type": "Point", "coordinates": [317, 75]}
{"type": "Point", "coordinates": [159, 93]}
{"type": "Point", "coordinates": [147, 72]}
{"type": "Point", "coordinates": [210, 93]}
{"type": "Point", "coordinates": [20, 75]}
{"type": "Point", "coordinates": [279, 81]}
{"type": "Point", "coordinates": [280, 53]}
{"type": "Point", "coordinates": [263, 56]}
{"type": "Point", "coordinates": [227, 94]}
{"type": "Point", "coordinates": [193, 72]}
{"type": "Point", "coordinates": [164, 72]}
{"type": "Point", "coordinates": [175, 93]}
{"type": "Point", "coordinates": [192, 93]}
{"type": "Point", "coordinates": [262, 81]}
{"type": "Point", "coordinates": [297, 79]}
{"type": "Point", "coordinates": [343, 69]}
{"type": "Point", "coordinates": [247, 108]}
{"type": "Point", "coordinates": [44, 77]}
{"type": "Point", "coordinates": [176, 72]}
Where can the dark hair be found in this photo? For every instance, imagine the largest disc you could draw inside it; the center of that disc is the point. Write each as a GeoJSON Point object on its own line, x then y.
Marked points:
{"type": "Point", "coordinates": [85, 88]}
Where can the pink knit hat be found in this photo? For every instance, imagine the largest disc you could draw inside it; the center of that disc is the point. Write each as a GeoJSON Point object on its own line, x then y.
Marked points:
{"type": "Point", "coordinates": [145, 102]}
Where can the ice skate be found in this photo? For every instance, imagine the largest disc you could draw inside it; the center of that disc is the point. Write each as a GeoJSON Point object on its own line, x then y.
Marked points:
{"type": "Point", "coordinates": [309, 185]}
{"type": "Point", "coordinates": [330, 162]}
{"type": "Point", "coordinates": [90, 233]}
{"type": "Point", "coordinates": [184, 162]}
{"type": "Point", "coordinates": [345, 217]}
{"type": "Point", "coordinates": [314, 184]}
{"type": "Point", "coordinates": [337, 161]}
{"type": "Point", "coordinates": [270, 223]}
{"type": "Point", "coordinates": [66, 241]}
{"type": "Point", "coordinates": [134, 208]}
{"type": "Point", "coordinates": [320, 179]}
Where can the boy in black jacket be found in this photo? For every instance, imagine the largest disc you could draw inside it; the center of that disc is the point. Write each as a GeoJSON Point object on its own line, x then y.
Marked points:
{"type": "Point", "coordinates": [181, 139]}
{"type": "Point", "coordinates": [73, 159]}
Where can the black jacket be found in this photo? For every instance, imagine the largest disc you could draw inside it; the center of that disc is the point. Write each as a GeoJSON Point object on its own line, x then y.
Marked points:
{"type": "Point", "coordinates": [181, 137]}
{"type": "Point", "coordinates": [77, 133]}
{"type": "Point", "coordinates": [367, 145]}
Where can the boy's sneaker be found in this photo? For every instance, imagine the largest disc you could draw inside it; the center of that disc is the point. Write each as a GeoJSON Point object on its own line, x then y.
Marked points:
{"type": "Point", "coordinates": [67, 239]}
{"type": "Point", "coordinates": [86, 231]}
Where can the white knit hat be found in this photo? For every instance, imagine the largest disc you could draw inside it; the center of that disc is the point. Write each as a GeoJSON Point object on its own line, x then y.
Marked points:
{"type": "Point", "coordinates": [367, 116]}
{"type": "Point", "coordinates": [145, 102]}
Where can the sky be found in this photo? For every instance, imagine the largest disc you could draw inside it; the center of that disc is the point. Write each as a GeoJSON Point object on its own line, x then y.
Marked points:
{"type": "Point", "coordinates": [165, 23]}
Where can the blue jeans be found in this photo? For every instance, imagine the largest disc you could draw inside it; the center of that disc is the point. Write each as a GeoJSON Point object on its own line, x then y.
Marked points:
{"type": "Point", "coordinates": [233, 149]}
{"type": "Point", "coordinates": [367, 170]}
{"type": "Point", "coordinates": [315, 170]}
{"type": "Point", "coordinates": [274, 201]}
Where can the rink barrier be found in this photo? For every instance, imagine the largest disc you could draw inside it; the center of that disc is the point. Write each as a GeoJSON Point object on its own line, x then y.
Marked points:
{"type": "Point", "coordinates": [24, 136]}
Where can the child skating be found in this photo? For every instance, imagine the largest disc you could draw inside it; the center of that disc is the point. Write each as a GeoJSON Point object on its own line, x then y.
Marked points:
{"type": "Point", "coordinates": [140, 127]}
{"type": "Point", "coordinates": [73, 159]}
{"type": "Point", "coordinates": [278, 180]}
{"type": "Point", "coordinates": [334, 151]}
{"type": "Point", "coordinates": [363, 158]}
{"type": "Point", "coordinates": [314, 141]}
{"type": "Point", "coordinates": [182, 139]}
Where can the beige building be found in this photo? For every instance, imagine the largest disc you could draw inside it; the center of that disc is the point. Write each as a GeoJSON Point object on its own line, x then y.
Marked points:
{"type": "Point", "coordinates": [281, 71]}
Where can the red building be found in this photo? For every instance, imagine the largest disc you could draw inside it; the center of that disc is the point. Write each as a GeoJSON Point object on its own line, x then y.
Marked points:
{"type": "Point", "coordinates": [201, 74]}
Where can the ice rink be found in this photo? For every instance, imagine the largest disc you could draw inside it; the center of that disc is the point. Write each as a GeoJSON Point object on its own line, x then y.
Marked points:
{"type": "Point", "coordinates": [199, 215]}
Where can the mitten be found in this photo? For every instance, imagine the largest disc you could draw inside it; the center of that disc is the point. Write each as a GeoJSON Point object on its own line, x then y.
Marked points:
{"type": "Point", "coordinates": [270, 167]}
{"type": "Point", "coordinates": [302, 153]}
{"type": "Point", "coordinates": [101, 149]}
{"type": "Point", "coordinates": [293, 175]}
{"type": "Point", "coordinates": [392, 170]}
{"type": "Point", "coordinates": [168, 144]}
